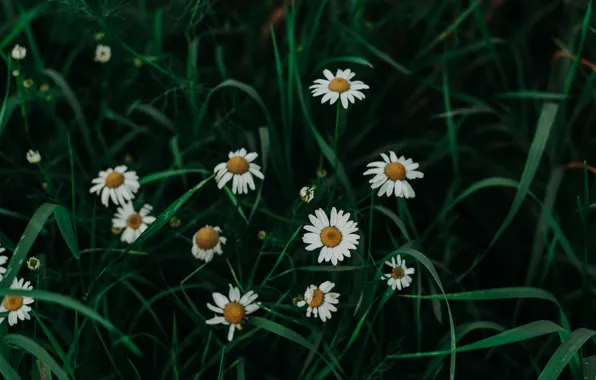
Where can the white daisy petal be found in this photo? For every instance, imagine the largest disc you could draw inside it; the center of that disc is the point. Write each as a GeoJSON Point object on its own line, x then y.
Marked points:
{"type": "Point", "coordinates": [392, 175]}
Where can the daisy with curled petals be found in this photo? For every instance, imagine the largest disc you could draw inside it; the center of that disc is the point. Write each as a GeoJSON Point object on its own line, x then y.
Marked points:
{"type": "Point", "coordinates": [339, 86]}
{"type": "Point", "coordinates": [336, 235]}
{"type": "Point", "coordinates": [17, 306]}
{"type": "Point", "coordinates": [134, 223]}
{"type": "Point", "coordinates": [233, 309]}
{"type": "Point", "coordinates": [391, 174]}
{"type": "Point", "coordinates": [3, 261]}
{"type": "Point", "coordinates": [400, 274]}
{"type": "Point", "coordinates": [116, 184]}
{"type": "Point", "coordinates": [321, 302]}
{"type": "Point", "coordinates": [239, 168]}
{"type": "Point", "coordinates": [206, 242]}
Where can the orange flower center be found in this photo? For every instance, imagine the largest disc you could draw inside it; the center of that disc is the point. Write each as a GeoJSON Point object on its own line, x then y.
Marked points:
{"type": "Point", "coordinates": [317, 298]}
{"type": "Point", "coordinates": [234, 312]}
{"type": "Point", "coordinates": [339, 85]}
{"type": "Point", "coordinates": [395, 171]}
{"type": "Point", "coordinates": [237, 165]}
{"type": "Point", "coordinates": [398, 272]}
{"type": "Point", "coordinates": [13, 303]}
{"type": "Point", "coordinates": [207, 238]}
{"type": "Point", "coordinates": [114, 180]}
{"type": "Point", "coordinates": [134, 221]}
{"type": "Point", "coordinates": [331, 236]}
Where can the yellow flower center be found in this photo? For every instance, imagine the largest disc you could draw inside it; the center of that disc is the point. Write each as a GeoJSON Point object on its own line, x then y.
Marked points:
{"type": "Point", "coordinates": [207, 238]}
{"type": "Point", "coordinates": [398, 272]}
{"type": "Point", "coordinates": [13, 303]}
{"type": "Point", "coordinates": [317, 298]}
{"type": "Point", "coordinates": [134, 221]}
{"type": "Point", "coordinates": [331, 236]}
{"type": "Point", "coordinates": [395, 171]}
{"type": "Point", "coordinates": [234, 312]}
{"type": "Point", "coordinates": [114, 180]}
{"type": "Point", "coordinates": [237, 165]}
{"type": "Point", "coordinates": [339, 85]}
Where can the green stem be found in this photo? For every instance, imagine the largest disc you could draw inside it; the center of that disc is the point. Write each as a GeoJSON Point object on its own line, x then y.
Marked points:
{"type": "Point", "coordinates": [335, 138]}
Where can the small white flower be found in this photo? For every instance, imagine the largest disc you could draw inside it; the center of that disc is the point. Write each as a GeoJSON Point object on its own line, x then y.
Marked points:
{"type": "Point", "coordinates": [400, 274]}
{"type": "Point", "coordinates": [206, 242]}
{"type": "Point", "coordinates": [17, 306]}
{"type": "Point", "coordinates": [239, 168]}
{"type": "Point", "coordinates": [33, 264]}
{"type": "Point", "coordinates": [391, 174]}
{"type": "Point", "coordinates": [320, 301]}
{"type": "Point", "coordinates": [3, 261]}
{"type": "Point", "coordinates": [307, 194]}
{"type": "Point", "coordinates": [335, 234]}
{"type": "Point", "coordinates": [18, 52]}
{"type": "Point", "coordinates": [339, 86]}
{"type": "Point", "coordinates": [33, 156]}
{"type": "Point", "coordinates": [103, 53]}
{"type": "Point", "coordinates": [134, 223]}
{"type": "Point", "coordinates": [117, 184]}
{"type": "Point", "coordinates": [234, 309]}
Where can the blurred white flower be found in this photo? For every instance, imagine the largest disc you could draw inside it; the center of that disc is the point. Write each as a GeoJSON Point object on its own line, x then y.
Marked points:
{"type": "Point", "coordinates": [339, 86]}
{"type": "Point", "coordinates": [234, 309]}
{"type": "Point", "coordinates": [391, 174]}
{"type": "Point", "coordinates": [240, 169]}
{"type": "Point", "coordinates": [320, 301]}
{"type": "Point", "coordinates": [134, 223]}
{"type": "Point", "coordinates": [116, 184]}
{"type": "Point", "coordinates": [307, 194]}
{"type": "Point", "coordinates": [18, 52]}
{"type": "Point", "coordinates": [103, 53]}
{"type": "Point", "coordinates": [17, 306]}
{"type": "Point", "coordinates": [33, 156]}
{"type": "Point", "coordinates": [400, 274]}
{"type": "Point", "coordinates": [206, 242]}
{"type": "Point", "coordinates": [3, 261]}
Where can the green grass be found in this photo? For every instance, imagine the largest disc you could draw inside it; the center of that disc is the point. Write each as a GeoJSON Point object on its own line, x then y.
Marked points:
{"type": "Point", "coordinates": [494, 99]}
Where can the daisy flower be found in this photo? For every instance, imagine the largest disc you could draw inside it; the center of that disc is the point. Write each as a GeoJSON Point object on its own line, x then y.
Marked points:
{"type": "Point", "coordinates": [320, 301]}
{"type": "Point", "coordinates": [134, 223]}
{"type": "Point", "coordinates": [391, 174]}
{"type": "Point", "coordinates": [339, 86]}
{"type": "Point", "coordinates": [33, 156]}
{"type": "Point", "coordinates": [17, 306]}
{"type": "Point", "coordinates": [239, 168]}
{"type": "Point", "coordinates": [400, 274]}
{"type": "Point", "coordinates": [307, 194]}
{"type": "Point", "coordinates": [18, 52]}
{"type": "Point", "coordinates": [3, 261]}
{"type": "Point", "coordinates": [233, 308]}
{"type": "Point", "coordinates": [206, 242]}
{"type": "Point", "coordinates": [103, 53]}
{"type": "Point", "coordinates": [335, 234]}
{"type": "Point", "coordinates": [117, 184]}
{"type": "Point", "coordinates": [33, 264]}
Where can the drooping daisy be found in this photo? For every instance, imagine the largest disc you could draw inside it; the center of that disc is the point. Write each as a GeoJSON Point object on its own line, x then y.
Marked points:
{"type": "Point", "coordinates": [335, 234]}
{"type": "Point", "coordinates": [234, 309]}
{"type": "Point", "coordinates": [206, 242]}
{"type": "Point", "coordinates": [391, 174]}
{"type": "Point", "coordinates": [18, 52]}
{"type": "Point", "coordinates": [103, 53]}
{"type": "Point", "coordinates": [339, 86]}
{"type": "Point", "coordinates": [400, 274]}
{"type": "Point", "coordinates": [3, 261]}
{"type": "Point", "coordinates": [320, 301]}
{"type": "Point", "coordinates": [240, 169]}
{"type": "Point", "coordinates": [134, 223]}
{"type": "Point", "coordinates": [17, 306]}
{"type": "Point", "coordinates": [307, 194]}
{"type": "Point", "coordinates": [33, 156]}
{"type": "Point", "coordinates": [116, 184]}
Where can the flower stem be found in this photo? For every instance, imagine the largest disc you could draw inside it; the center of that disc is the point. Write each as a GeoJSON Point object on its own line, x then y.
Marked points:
{"type": "Point", "coordinates": [335, 138]}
